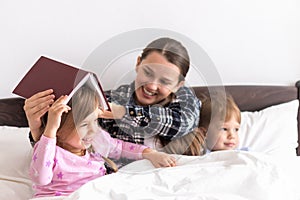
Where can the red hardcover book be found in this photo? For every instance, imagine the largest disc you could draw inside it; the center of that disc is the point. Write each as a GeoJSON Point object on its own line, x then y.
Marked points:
{"type": "Point", "coordinates": [64, 79]}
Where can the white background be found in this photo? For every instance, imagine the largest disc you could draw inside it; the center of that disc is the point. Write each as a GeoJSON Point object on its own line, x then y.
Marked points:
{"type": "Point", "coordinates": [249, 41]}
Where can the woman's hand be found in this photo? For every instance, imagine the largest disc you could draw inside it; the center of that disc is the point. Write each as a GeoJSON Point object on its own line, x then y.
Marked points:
{"type": "Point", "coordinates": [54, 116]}
{"type": "Point", "coordinates": [159, 159]}
{"type": "Point", "coordinates": [117, 112]}
{"type": "Point", "coordinates": [35, 107]}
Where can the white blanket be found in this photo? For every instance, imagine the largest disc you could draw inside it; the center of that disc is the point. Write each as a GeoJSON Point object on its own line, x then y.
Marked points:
{"type": "Point", "coordinates": [234, 175]}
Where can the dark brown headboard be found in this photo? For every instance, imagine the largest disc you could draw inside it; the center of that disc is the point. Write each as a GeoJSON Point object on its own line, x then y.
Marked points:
{"type": "Point", "coordinates": [12, 113]}
{"type": "Point", "coordinates": [257, 97]}
{"type": "Point", "coordinates": [248, 98]}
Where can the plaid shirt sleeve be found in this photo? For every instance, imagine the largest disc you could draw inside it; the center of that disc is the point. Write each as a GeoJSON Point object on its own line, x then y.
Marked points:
{"type": "Point", "coordinates": [174, 120]}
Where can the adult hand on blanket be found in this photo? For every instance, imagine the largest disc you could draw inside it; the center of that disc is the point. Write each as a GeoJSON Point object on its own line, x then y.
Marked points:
{"type": "Point", "coordinates": [35, 107]}
{"type": "Point", "coordinates": [159, 159]}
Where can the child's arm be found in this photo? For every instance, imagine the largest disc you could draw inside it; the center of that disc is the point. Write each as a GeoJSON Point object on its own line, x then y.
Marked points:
{"type": "Point", "coordinates": [41, 167]}
{"type": "Point", "coordinates": [44, 151]}
{"type": "Point", "coordinates": [110, 147]}
{"type": "Point", "coordinates": [159, 159]}
{"type": "Point", "coordinates": [54, 117]}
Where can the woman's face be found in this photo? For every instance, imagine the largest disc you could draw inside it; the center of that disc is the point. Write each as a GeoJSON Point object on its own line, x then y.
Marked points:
{"type": "Point", "coordinates": [156, 79]}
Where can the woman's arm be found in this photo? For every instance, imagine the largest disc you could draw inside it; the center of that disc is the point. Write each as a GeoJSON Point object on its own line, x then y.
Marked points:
{"type": "Point", "coordinates": [35, 108]}
{"type": "Point", "coordinates": [176, 119]}
{"type": "Point", "coordinates": [172, 120]}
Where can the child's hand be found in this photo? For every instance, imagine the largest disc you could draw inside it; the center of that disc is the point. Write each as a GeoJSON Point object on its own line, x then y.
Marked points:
{"type": "Point", "coordinates": [159, 159]}
{"type": "Point", "coordinates": [117, 112]}
{"type": "Point", "coordinates": [54, 116]}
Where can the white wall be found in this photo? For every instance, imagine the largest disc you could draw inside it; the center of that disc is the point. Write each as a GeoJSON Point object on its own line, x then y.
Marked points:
{"type": "Point", "coordinates": [249, 41]}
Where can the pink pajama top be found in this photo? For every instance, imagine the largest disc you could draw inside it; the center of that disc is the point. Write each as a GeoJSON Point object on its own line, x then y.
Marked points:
{"type": "Point", "coordinates": [56, 171]}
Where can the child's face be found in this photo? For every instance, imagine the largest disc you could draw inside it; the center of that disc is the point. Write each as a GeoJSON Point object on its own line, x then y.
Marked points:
{"type": "Point", "coordinates": [223, 136]}
{"type": "Point", "coordinates": [85, 131]}
{"type": "Point", "coordinates": [156, 79]}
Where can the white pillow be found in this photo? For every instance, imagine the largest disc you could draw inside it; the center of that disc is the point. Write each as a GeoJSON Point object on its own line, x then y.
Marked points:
{"type": "Point", "coordinates": [273, 130]}
{"type": "Point", "coordinates": [15, 157]}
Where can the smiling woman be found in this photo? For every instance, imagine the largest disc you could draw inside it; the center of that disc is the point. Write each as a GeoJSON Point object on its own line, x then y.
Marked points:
{"type": "Point", "coordinates": [158, 107]}
{"type": "Point", "coordinates": [156, 79]}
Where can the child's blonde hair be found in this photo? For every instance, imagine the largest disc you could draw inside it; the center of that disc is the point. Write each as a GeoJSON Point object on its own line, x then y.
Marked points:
{"type": "Point", "coordinates": [218, 107]}
{"type": "Point", "coordinates": [192, 144]}
{"type": "Point", "coordinates": [83, 103]}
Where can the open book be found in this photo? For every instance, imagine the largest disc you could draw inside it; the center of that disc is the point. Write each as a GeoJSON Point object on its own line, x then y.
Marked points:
{"type": "Point", "coordinates": [62, 78]}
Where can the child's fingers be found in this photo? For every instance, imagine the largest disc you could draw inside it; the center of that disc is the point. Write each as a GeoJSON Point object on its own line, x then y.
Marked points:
{"type": "Point", "coordinates": [64, 108]}
{"type": "Point", "coordinates": [59, 106]}
{"type": "Point", "coordinates": [60, 100]}
{"type": "Point", "coordinates": [106, 114]}
{"type": "Point", "coordinates": [167, 163]}
{"type": "Point", "coordinates": [173, 164]}
{"type": "Point", "coordinates": [171, 161]}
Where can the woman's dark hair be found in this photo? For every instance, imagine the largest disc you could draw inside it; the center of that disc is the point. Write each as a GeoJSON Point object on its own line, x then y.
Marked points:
{"type": "Point", "coordinates": [173, 51]}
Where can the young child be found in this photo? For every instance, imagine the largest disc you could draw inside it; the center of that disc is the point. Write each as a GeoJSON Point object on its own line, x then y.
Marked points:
{"type": "Point", "coordinates": [220, 120]}
{"type": "Point", "coordinates": [218, 128]}
{"type": "Point", "coordinates": [64, 158]}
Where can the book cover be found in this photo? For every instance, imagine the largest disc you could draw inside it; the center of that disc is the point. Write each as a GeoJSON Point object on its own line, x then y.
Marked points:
{"type": "Point", "coordinates": [64, 79]}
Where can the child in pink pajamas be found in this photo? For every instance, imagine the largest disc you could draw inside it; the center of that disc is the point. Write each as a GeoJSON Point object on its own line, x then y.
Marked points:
{"type": "Point", "coordinates": [64, 158]}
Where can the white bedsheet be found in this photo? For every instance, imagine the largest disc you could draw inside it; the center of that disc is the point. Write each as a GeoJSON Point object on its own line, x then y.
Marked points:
{"type": "Point", "coordinates": [234, 175]}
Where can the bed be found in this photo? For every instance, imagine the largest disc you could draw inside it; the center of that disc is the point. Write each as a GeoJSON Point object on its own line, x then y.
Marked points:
{"type": "Point", "coordinates": [270, 170]}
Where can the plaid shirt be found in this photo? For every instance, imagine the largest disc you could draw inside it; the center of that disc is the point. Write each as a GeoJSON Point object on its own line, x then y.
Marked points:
{"type": "Point", "coordinates": [176, 118]}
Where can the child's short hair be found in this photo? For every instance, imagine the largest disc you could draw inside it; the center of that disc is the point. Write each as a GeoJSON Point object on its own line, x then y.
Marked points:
{"type": "Point", "coordinates": [218, 107]}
